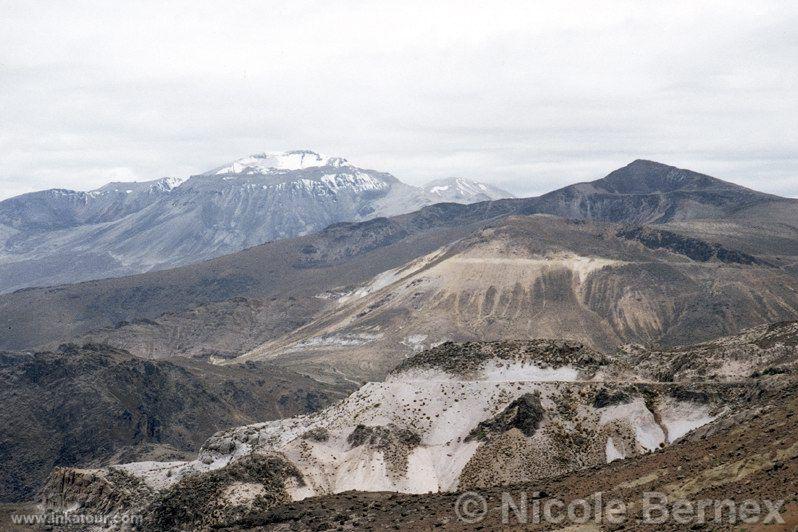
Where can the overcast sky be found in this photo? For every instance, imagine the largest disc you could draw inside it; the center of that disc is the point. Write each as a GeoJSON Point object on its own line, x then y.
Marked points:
{"type": "Point", "coordinates": [530, 96]}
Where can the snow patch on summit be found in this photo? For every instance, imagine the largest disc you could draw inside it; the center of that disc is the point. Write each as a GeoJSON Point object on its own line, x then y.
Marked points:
{"type": "Point", "coordinates": [270, 162]}
{"type": "Point", "coordinates": [461, 190]}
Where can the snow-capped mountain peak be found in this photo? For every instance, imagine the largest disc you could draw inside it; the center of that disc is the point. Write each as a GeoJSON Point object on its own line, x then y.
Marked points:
{"type": "Point", "coordinates": [459, 185]}
{"type": "Point", "coordinates": [155, 224]}
{"type": "Point", "coordinates": [273, 162]}
{"type": "Point", "coordinates": [461, 190]}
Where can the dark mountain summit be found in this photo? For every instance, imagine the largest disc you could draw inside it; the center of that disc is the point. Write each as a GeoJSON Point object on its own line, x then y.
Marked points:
{"type": "Point", "coordinates": [649, 177]}
{"type": "Point", "coordinates": [649, 192]}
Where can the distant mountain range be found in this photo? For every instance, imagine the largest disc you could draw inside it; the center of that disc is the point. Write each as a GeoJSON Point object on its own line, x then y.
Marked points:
{"type": "Point", "coordinates": [61, 236]}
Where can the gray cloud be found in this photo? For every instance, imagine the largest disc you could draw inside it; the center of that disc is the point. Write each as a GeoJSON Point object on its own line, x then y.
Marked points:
{"type": "Point", "coordinates": [530, 96]}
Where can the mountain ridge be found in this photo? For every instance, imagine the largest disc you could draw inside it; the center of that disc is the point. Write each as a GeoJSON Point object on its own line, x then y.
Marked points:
{"type": "Point", "coordinates": [351, 254]}
{"type": "Point", "coordinates": [541, 276]}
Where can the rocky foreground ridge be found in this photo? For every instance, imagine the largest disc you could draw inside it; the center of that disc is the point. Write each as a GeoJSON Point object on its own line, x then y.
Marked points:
{"type": "Point", "coordinates": [453, 418]}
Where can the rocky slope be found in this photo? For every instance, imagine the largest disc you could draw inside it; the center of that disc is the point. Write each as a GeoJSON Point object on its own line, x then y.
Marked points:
{"type": "Point", "coordinates": [288, 270]}
{"type": "Point", "coordinates": [751, 456]}
{"type": "Point", "coordinates": [540, 276]}
{"type": "Point", "coordinates": [457, 417]}
{"type": "Point", "coordinates": [93, 404]}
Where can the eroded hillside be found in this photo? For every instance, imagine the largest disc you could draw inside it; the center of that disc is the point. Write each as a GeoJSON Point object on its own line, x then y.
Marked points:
{"type": "Point", "coordinates": [92, 404]}
{"type": "Point", "coordinates": [539, 276]}
{"type": "Point", "coordinates": [469, 416]}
